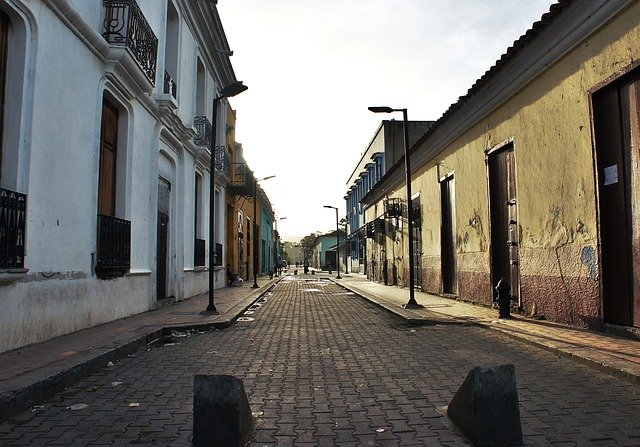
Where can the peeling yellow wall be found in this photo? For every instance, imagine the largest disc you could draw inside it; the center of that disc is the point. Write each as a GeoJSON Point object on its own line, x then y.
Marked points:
{"type": "Point", "coordinates": [549, 124]}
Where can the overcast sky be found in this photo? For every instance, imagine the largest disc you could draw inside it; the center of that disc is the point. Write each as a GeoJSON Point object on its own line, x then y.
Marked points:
{"type": "Point", "coordinates": [314, 66]}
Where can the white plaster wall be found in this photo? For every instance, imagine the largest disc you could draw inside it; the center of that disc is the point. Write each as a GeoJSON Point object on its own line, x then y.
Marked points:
{"type": "Point", "coordinates": [60, 293]}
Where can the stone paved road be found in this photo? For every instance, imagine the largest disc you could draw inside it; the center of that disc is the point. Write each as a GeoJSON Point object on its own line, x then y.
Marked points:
{"type": "Point", "coordinates": [323, 367]}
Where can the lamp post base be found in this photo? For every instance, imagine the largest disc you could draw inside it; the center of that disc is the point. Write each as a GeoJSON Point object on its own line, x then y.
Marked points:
{"type": "Point", "coordinates": [338, 277]}
{"type": "Point", "coordinates": [255, 286]}
{"type": "Point", "coordinates": [413, 305]}
{"type": "Point", "coordinates": [211, 310]}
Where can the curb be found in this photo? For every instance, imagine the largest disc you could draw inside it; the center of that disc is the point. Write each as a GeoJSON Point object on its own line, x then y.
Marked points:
{"type": "Point", "coordinates": [604, 366]}
{"type": "Point", "coordinates": [16, 401]}
{"type": "Point", "coordinates": [406, 315]}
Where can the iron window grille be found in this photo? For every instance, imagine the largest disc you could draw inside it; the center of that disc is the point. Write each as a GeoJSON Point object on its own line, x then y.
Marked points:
{"type": "Point", "coordinates": [393, 208]}
{"type": "Point", "coordinates": [13, 206]}
{"type": "Point", "coordinates": [199, 253]}
{"type": "Point", "coordinates": [114, 246]}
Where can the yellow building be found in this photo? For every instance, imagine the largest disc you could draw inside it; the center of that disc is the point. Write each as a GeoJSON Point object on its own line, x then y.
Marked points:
{"type": "Point", "coordinates": [242, 223]}
{"type": "Point", "coordinates": [533, 177]}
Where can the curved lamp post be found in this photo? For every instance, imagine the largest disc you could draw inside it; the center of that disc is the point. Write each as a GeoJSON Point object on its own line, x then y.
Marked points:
{"type": "Point", "coordinates": [412, 304]}
{"type": "Point", "coordinates": [255, 225]}
{"type": "Point", "coordinates": [337, 243]}
{"type": "Point", "coordinates": [230, 90]}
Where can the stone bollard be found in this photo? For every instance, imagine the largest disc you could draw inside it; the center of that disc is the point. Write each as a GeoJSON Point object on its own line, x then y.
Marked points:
{"type": "Point", "coordinates": [486, 409]}
{"type": "Point", "coordinates": [504, 298]}
{"type": "Point", "coordinates": [221, 413]}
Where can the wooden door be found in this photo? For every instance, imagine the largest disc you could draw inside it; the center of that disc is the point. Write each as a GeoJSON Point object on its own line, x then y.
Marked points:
{"type": "Point", "coordinates": [164, 191]}
{"type": "Point", "coordinates": [416, 215]}
{"type": "Point", "coordinates": [108, 159]}
{"type": "Point", "coordinates": [615, 115]}
{"type": "Point", "coordinates": [504, 220]}
{"type": "Point", "coordinates": [448, 235]}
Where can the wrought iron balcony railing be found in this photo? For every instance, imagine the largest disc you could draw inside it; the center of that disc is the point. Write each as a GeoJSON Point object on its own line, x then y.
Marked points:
{"type": "Point", "coordinates": [170, 86]}
{"type": "Point", "coordinates": [203, 131]}
{"type": "Point", "coordinates": [223, 160]}
{"type": "Point", "coordinates": [375, 228]}
{"type": "Point", "coordinates": [13, 206]}
{"type": "Point", "coordinates": [393, 208]}
{"type": "Point", "coordinates": [217, 257]}
{"type": "Point", "coordinates": [125, 25]}
{"type": "Point", "coordinates": [242, 180]}
{"type": "Point", "coordinates": [114, 246]}
{"type": "Point", "coordinates": [199, 253]}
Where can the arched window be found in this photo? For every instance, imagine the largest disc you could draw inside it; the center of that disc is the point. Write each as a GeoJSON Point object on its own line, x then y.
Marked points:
{"type": "Point", "coordinates": [171, 51]}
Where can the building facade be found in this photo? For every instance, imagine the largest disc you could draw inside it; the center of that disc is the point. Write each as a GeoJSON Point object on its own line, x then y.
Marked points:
{"type": "Point", "coordinates": [106, 157]}
{"type": "Point", "coordinates": [384, 150]}
{"type": "Point", "coordinates": [531, 177]}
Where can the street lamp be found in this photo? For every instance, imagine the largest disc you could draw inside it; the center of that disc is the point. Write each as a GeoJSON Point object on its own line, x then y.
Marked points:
{"type": "Point", "coordinates": [412, 304]}
{"type": "Point", "coordinates": [275, 245]}
{"type": "Point", "coordinates": [255, 225]}
{"type": "Point", "coordinates": [230, 90]}
{"type": "Point", "coordinates": [338, 241]}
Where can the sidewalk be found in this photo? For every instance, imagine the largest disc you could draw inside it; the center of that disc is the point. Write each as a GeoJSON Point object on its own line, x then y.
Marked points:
{"type": "Point", "coordinates": [31, 374]}
{"type": "Point", "coordinates": [612, 354]}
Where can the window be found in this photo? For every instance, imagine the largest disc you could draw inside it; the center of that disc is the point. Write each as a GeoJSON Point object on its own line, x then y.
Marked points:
{"type": "Point", "coordinates": [108, 160]}
{"type": "Point", "coordinates": [171, 51]}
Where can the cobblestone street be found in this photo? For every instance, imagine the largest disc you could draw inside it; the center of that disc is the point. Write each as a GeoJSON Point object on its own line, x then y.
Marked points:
{"type": "Point", "coordinates": [323, 367]}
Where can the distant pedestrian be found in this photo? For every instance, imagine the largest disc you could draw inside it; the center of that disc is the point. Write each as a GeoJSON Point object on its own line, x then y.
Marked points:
{"type": "Point", "coordinates": [306, 265]}
{"type": "Point", "coordinates": [329, 266]}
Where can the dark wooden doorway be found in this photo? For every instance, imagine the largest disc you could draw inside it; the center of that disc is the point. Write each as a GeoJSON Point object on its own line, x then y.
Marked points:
{"type": "Point", "coordinates": [164, 191]}
{"type": "Point", "coordinates": [503, 209]}
{"type": "Point", "coordinates": [615, 121]}
{"type": "Point", "coordinates": [448, 236]}
{"type": "Point", "coordinates": [416, 215]}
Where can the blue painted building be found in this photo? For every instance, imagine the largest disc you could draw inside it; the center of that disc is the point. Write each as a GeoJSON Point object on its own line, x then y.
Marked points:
{"type": "Point", "coordinates": [266, 235]}
{"type": "Point", "coordinates": [385, 149]}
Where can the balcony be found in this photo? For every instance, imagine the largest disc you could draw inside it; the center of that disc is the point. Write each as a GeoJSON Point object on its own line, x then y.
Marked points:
{"type": "Point", "coordinates": [393, 208]}
{"type": "Point", "coordinates": [223, 161]}
{"type": "Point", "coordinates": [13, 206]}
{"type": "Point", "coordinates": [114, 247]}
{"type": "Point", "coordinates": [125, 26]}
{"type": "Point", "coordinates": [199, 253]}
{"type": "Point", "coordinates": [203, 131]}
{"type": "Point", "coordinates": [242, 180]}
{"type": "Point", "coordinates": [170, 86]}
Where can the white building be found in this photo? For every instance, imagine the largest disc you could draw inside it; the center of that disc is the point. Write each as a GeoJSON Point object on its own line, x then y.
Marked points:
{"type": "Point", "coordinates": [105, 139]}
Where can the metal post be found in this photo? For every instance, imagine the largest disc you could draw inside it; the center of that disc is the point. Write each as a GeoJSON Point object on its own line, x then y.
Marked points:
{"type": "Point", "coordinates": [337, 246]}
{"type": "Point", "coordinates": [212, 167]}
{"type": "Point", "coordinates": [255, 237]}
{"type": "Point", "coordinates": [275, 248]}
{"type": "Point", "coordinates": [232, 89]}
{"type": "Point", "coordinates": [407, 167]}
{"type": "Point", "coordinates": [346, 247]}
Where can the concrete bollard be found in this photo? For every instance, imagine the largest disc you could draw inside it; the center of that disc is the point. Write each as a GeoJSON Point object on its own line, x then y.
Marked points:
{"type": "Point", "coordinates": [504, 298]}
{"type": "Point", "coordinates": [486, 409]}
{"type": "Point", "coordinates": [221, 413]}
